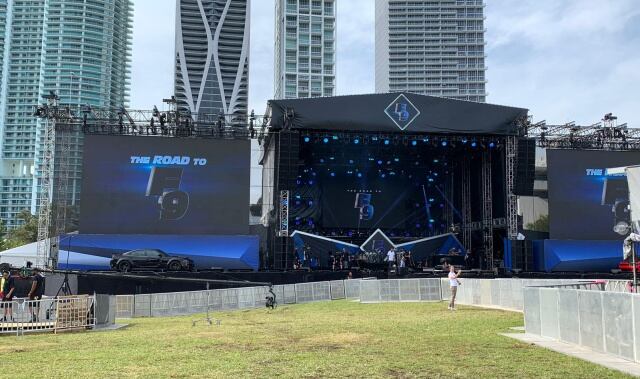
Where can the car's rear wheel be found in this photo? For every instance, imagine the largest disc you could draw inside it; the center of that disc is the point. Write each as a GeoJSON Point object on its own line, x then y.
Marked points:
{"type": "Point", "coordinates": [175, 266]}
{"type": "Point", "coordinates": [124, 266]}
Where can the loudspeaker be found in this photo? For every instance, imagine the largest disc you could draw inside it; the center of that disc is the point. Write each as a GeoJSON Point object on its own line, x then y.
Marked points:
{"type": "Point", "coordinates": [525, 167]}
{"type": "Point", "coordinates": [289, 145]}
{"type": "Point", "coordinates": [522, 255]}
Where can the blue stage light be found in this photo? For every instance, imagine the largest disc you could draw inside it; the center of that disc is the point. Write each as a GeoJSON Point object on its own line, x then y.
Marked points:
{"type": "Point", "coordinates": [333, 174]}
{"type": "Point", "coordinates": [431, 221]}
{"type": "Point", "coordinates": [310, 202]}
{"type": "Point", "coordinates": [425, 139]}
{"type": "Point", "coordinates": [359, 175]}
{"type": "Point", "coordinates": [307, 139]}
{"type": "Point", "coordinates": [335, 138]}
{"type": "Point", "coordinates": [356, 141]}
{"type": "Point", "coordinates": [396, 159]}
{"type": "Point", "coordinates": [325, 140]}
{"type": "Point", "coordinates": [444, 143]}
{"type": "Point", "coordinates": [435, 161]}
{"type": "Point", "coordinates": [386, 142]}
{"type": "Point", "coordinates": [431, 200]}
{"type": "Point", "coordinates": [464, 141]}
{"type": "Point", "coordinates": [321, 160]}
{"type": "Point", "coordinates": [431, 180]}
{"type": "Point", "coordinates": [383, 176]}
{"type": "Point", "coordinates": [310, 182]}
{"type": "Point", "coordinates": [350, 161]}
{"type": "Point", "coordinates": [474, 144]}
{"type": "Point", "coordinates": [414, 143]}
{"type": "Point", "coordinates": [492, 145]}
{"type": "Point", "coordinates": [380, 162]}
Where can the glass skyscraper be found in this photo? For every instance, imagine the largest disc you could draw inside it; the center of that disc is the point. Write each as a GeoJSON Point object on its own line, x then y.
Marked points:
{"type": "Point", "coordinates": [431, 47]}
{"type": "Point", "coordinates": [212, 56]}
{"type": "Point", "coordinates": [81, 50]}
{"type": "Point", "coordinates": [305, 48]}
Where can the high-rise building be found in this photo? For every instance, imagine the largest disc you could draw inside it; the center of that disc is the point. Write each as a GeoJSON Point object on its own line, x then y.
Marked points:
{"type": "Point", "coordinates": [431, 47]}
{"type": "Point", "coordinates": [212, 56]}
{"type": "Point", "coordinates": [78, 49]}
{"type": "Point", "coordinates": [305, 64]}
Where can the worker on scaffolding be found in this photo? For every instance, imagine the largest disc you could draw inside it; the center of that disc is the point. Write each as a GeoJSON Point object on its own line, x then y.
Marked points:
{"type": "Point", "coordinates": [7, 288]}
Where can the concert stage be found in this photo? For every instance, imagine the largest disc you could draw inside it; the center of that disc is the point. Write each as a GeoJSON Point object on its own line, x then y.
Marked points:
{"type": "Point", "coordinates": [369, 172]}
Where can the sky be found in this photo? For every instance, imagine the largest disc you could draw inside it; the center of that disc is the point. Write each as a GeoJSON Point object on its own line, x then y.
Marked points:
{"type": "Point", "coordinates": [564, 60]}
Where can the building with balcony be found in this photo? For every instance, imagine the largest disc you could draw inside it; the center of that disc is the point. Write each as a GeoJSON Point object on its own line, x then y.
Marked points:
{"type": "Point", "coordinates": [305, 46]}
{"type": "Point", "coordinates": [212, 56]}
{"type": "Point", "coordinates": [431, 47]}
{"type": "Point", "coordinates": [81, 50]}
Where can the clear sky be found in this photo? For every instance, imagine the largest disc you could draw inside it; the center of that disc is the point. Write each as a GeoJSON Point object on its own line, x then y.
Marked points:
{"type": "Point", "coordinates": [565, 60]}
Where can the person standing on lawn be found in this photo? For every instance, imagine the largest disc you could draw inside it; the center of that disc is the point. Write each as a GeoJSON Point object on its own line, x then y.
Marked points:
{"type": "Point", "coordinates": [453, 283]}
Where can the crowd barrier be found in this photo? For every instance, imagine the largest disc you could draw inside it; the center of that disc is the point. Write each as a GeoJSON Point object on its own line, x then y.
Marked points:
{"type": "Point", "coordinates": [54, 314]}
{"type": "Point", "coordinates": [394, 290]}
{"type": "Point", "coordinates": [604, 320]}
{"type": "Point", "coordinates": [508, 293]}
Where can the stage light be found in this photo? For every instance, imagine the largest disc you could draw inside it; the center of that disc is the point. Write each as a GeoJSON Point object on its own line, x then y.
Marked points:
{"type": "Point", "coordinates": [386, 142]}
{"type": "Point", "coordinates": [359, 175]}
{"type": "Point", "coordinates": [356, 141]}
{"type": "Point", "coordinates": [379, 162]}
{"type": "Point", "coordinates": [333, 174]}
{"type": "Point", "coordinates": [431, 221]}
{"type": "Point", "coordinates": [350, 161]}
{"type": "Point", "coordinates": [396, 159]}
{"type": "Point", "coordinates": [321, 160]}
{"type": "Point", "coordinates": [464, 141]}
{"type": "Point", "coordinates": [335, 138]}
{"type": "Point", "coordinates": [325, 140]}
{"type": "Point", "coordinates": [474, 144]}
{"type": "Point", "coordinates": [310, 182]}
{"type": "Point", "coordinates": [383, 176]}
{"type": "Point", "coordinates": [431, 200]}
{"type": "Point", "coordinates": [425, 140]}
{"type": "Point", "coordinates": [430, 180]}
{"type": "Point", "coordinates": [414, 143]}
{"type": "Point", "coordinates": [492, 145]}
{"type": "Point", "coordinates": [435, 161]}
{"type": "Point", "coordinates": [307, 139]}
{"type": "Point", "coordinates": [444, 143]}
{"type": "Point", "coordinates": [310, 202]}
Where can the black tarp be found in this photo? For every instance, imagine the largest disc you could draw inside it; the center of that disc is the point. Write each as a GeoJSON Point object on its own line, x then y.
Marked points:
{"type": "Point", "coordinates": [373, 113]}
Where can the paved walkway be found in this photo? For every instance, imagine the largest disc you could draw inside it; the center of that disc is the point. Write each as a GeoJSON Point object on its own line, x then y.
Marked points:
{"type": "Point", "coordinates": [606, 360]}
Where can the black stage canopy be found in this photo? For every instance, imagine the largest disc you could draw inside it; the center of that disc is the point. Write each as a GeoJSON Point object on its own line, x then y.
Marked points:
{"type": "Point", "coordinates": [395, 112]}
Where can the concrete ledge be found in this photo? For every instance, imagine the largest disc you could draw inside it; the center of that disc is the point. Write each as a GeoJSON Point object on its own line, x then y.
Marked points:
{"type": "Point", "coordinates": [606, 360]}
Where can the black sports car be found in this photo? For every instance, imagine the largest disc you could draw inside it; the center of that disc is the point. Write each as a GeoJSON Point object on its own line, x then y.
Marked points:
{"type": "Point", "coordinates": [153, 259]}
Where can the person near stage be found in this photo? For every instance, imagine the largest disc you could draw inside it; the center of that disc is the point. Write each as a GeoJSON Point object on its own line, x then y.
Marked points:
{"type": "Point", "coordinates": [7, 287]}
{"type": "Point", "coordinates": [403, 264]}
{"type": "Point", "coordinates": [453, 284]}
{"type": "Point", "coordinates": [35, 294]}
{"type": "Point", "coordinates": [467, 259]}
{"type": "Point", "coordinates": [391, 258]}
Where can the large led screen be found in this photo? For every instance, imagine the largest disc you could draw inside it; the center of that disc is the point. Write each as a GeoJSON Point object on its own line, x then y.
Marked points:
{"type": "Point", "coordinates": [586, 203]}
{"type": "Point", "coordinates": [158, 185]}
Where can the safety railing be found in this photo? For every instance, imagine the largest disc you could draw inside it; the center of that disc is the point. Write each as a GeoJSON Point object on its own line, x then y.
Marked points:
{"type": "Point", "coordinates": [21, 316]}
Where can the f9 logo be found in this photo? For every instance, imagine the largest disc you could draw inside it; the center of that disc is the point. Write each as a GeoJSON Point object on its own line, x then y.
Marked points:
{"type": "Point", "coordinates": [363, 204]}
{"type": "Point", "coordinates": [164, 182]}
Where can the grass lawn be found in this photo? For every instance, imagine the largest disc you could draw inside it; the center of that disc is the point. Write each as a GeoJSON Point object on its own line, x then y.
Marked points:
{"type": "Point", "coordinates": [326, 339]}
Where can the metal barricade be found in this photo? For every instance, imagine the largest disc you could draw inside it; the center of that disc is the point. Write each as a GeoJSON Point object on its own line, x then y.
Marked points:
{"type": "Point", "coordinates": [49, 314]}
{"type": "Point", "coordinates": [124, 306]}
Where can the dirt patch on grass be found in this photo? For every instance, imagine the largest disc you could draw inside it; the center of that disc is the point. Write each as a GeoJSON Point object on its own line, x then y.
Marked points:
{"type": "Point", "coordinates": [8, 349]}
{"type": "Point", "coordinates": [332, 341]}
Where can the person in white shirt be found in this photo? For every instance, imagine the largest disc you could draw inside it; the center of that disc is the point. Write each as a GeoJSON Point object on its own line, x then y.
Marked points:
{"type": "Point", "coordinates": [453, 283]}
{"type": "Point", "coordinates": [391, 258]}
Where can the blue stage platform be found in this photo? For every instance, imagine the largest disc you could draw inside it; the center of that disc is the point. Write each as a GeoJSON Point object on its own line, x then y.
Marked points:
{"type": "Point", "coordinates": [93, 251]}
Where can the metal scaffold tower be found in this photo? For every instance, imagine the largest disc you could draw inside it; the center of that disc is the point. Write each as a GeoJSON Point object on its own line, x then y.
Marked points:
{"type": "Point", "coordinates": [466, 203]}
{"type": "Point", "coordinates": [512, 199]}
{"type": "Point", "coordinates": [487, 209]}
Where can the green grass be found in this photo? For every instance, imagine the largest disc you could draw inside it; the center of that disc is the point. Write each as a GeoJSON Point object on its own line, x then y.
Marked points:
{"type": "Point", "coordinates": [326, 339]}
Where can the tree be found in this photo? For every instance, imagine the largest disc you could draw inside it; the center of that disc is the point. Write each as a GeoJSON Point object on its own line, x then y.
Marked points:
{"type": "Point", "coordinates": [540, 225]}
{"type": "Point", "coordinates": [3, 236]}
{"type": "Point", "coordinates": [25, 233]}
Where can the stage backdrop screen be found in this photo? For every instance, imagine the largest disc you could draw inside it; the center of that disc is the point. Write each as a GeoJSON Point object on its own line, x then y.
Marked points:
{"type": "Point", "coordinates": [584, 202]}
{"type": "Point", "coordinates": [158, 185]}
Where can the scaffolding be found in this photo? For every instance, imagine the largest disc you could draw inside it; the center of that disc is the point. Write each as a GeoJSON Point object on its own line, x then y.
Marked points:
{"type": "Point", "coordinates": [466, 203]}
{"type": "Point", "coordinates": [487, 209]}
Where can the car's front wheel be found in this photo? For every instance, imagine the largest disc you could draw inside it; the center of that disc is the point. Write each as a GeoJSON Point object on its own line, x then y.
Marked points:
{"type": "Point", "coordinates": [175, 266]}
{"type": "Point", "coordinates": [124, 266]}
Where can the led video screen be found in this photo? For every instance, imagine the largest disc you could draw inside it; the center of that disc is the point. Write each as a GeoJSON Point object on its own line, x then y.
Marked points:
{"type": "Point", "coordinates": [157, 185]}
{"type": "Point", "coordinates": [586, 203]}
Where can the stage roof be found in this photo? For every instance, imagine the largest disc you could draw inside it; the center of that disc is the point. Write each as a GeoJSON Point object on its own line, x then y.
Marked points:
{"type": "Point", "coordinates": [396, 113]}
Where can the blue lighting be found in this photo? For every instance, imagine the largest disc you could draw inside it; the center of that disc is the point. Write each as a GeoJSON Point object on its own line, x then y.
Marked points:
{"type": "Point", "coordinates": [310, 182]}
{"type": "Point", "coordinates": [435, 161]}
{"type": "Point", "coordinates": [431, 180]}
{"type": "Point", "coordinates": [359, 175]}
{"type": "Point", "coordinates": [425, 140]}
{"type": "Point", "coordinates": [307, 139]}
{"type": "Point", "coordinates": [431, 221]}
{"type": "Point", "coordinates": [383, 175]}
{"type": "Point", "coordinates": [444, 143]}
{"type": "Point", "coordinates": [464, 140]}
{"type": "Point", "coordinates": [431, 200]}
{"type": "Point", "coordinates": [321, 160]}
{"type": "Point", "coordinates": [310, 203]}
{"type": "Point", "coordinates": [386, 142]}
{"type": "Point", "coordinates": [492, 145]}
{"type": "Point", "coordinates": [474, 144]}
{"type": "Point", "coordinates": [333, 174]}
{"type": "Point", "coordinates": [350, 161]}
{"type": "Point", "coordinates": [414, 143]}
{"type": "Point", "coordinates": [325, 140]}
{"type": "Point", "coordinates": [379, 162]}
{"type": "Point", "coordinates": [335, 138]}
{"type": "Point", "coordinates": [356, 141]}
{"type": "Point", "coordinates": [396, 159]}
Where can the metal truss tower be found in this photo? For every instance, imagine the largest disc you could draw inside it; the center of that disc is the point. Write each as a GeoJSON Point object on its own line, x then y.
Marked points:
{"type": "Point", "coordinates": [466, 203]}
{"type": "Point", "coordinates": [487, 209]}
{"type": "Point", "coordinates": [512, 199]}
